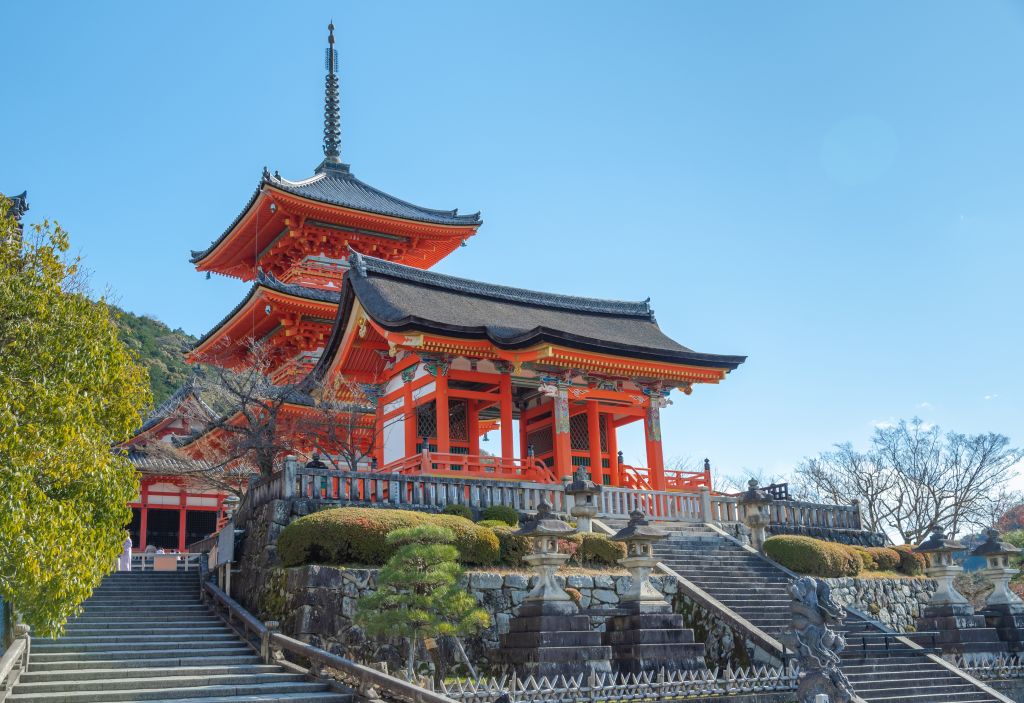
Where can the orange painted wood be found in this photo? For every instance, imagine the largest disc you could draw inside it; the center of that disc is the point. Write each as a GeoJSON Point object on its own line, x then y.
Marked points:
{"type": "Point", "coordinates": [594, 435]}
{"type": "Point", "coordinates": [505, 391]}
{"type": "Point", "coordinates": [444, 442]}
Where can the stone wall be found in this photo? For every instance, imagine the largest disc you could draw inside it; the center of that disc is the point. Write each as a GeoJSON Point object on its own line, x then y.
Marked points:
{"type": "Point", "coordinates": [895, 602]}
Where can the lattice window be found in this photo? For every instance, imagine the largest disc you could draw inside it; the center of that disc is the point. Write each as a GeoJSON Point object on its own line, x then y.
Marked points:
{"type": "Point", "coordinates": [541, 441]}
{"type": "Point", "coordinates": [458, 422]}
{"type": "Point", "coordinates": [579, 432]}
{"type": "Point", "coordinates": [426, 420]}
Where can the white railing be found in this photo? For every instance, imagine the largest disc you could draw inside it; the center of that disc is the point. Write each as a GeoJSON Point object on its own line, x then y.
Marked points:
{"type": "Point", "coordinates": [149, 561]}
{"type": "Point", "coordinates": [798, 514]}
{"type": "Point", "coordinates": [648, 686]}
{"type": "Point", "coordinates": [13, 663]}
{"type": "Point", "coordinates": [663, 505]}
{"type": "Point", "coordinates": [989, 668]}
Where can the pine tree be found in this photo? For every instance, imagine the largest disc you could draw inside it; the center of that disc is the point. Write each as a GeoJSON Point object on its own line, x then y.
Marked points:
{"type": "Point", "coordinates": [417, 592]}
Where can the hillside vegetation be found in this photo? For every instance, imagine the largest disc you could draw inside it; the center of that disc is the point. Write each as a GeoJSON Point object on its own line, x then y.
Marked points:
{"type": "Point", "coordinates": [160, 349]}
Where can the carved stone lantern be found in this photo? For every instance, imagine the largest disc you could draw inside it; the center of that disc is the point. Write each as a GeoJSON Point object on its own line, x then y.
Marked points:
{"type": "Point", "coordinates": [939, 550]}
{"type": "Point", "coordinates": [648, 636]}
{"type": "Point", "coordinates": [755, 505]}
{"type": "Point", "coordinates": [639, 536]}
{"type": "Point", "coordinates": [1004, 610]}
{"type": "Point", "coordinates": [961, 630]}
{"type": "Point", "coordinates": [544, 531]}
{"type": "Point", "coordinates": [230, 505]}
{"type": "Point", "coordinates": [584, 494]}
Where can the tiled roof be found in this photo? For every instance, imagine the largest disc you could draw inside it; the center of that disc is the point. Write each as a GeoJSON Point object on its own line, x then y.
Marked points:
{"type": "Point", "coordinates": [162, 411]}
{"type": "Point", "coordinates": [157, 463]}
{"type": "Point", "coordinates": [401, 298]}
{"type": "Point", "coordinates": [334, 184]}
{"type": "Point", "coordinates": [270, 282]}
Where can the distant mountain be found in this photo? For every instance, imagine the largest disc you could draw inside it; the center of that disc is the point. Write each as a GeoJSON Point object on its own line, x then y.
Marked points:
{"type": "Point", "coordinates": [160, 348]}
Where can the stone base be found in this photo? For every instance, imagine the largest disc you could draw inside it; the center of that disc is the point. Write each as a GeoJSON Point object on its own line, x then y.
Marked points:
{"type": "Point", "coordinates": [651, 638]}
{"type": "Point", "coordinates": [960, 630]}
{"type": "Point", "coordinates": [1008, 622]}
{"type": "Point", "coordinates": [545, 640]}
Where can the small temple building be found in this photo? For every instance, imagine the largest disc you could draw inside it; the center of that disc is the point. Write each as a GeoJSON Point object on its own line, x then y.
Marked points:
{"type": "Point", "coordinates": [349, 314]}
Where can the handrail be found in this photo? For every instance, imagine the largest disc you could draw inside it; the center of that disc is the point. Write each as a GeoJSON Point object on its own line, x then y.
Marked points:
{"type": "Point", "coordinates": [13, 663]}
{"type": "Point", "coordinates": [182, 561]}
{"type": "Point", "coordinates": [470, 465]}
{"type": "Point", "coordinates": [363, 677]}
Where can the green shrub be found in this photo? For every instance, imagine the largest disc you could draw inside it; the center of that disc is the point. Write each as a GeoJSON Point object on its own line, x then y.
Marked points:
{"type": "Point", "coordinates": [599, 550]}
{"type": "Point", "coordinates": [460, 510]}
{"type": "Point", "coordinates": [807, 555]}
{"type": "Point", "coordinates": [868, 562]}
{"type": "Point", "coordinates": [492, 523]}
{"type": "Point", "coordinates": [911, 563]}
{"type": "Point", "coordinates": [885, 559]}
{"type": "Point", "coordinates": [507, 515]}
{"type": "Point", "coordinates": [357, 535]}
{"type": "Point", "coordinates": [513, 547]}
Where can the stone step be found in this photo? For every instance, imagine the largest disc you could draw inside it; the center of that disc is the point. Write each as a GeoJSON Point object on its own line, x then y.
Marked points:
{"type": "Point", "coordinates": [105, 624]}
{"type": "Point", "coordinates": [134, 653]}
{"type": "Point", "coordinates": [220, 634]}
{"type": "Point", "coordinates": [171, 693]}
{"type": "Point", "coordinates": [34, 676]}
{"type": "Point", "coordinates": [147, 619]}
{"type": "Point", "coordinates": [174, 680]}
{"type": "Point", "coordinates": [245, 657]}
{"type": "Point", "coordinates": [134, 644]}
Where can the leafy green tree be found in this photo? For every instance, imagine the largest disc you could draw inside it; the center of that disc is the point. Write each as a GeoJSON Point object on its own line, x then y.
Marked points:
{"type": "Point", "coordinates": [69, 390]}
{"type": "Point", "coordinates": [417, 592]}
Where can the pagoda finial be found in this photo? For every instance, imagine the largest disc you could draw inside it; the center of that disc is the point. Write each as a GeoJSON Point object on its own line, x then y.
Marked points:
{"type": "Point", "coordinates": [332, 103]}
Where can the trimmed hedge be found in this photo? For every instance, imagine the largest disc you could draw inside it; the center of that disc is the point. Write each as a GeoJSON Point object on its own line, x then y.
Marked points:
{"type": "Point", "coordinates": [357, 535]}
{"type": "Point", "coordinates": [505, 514]}
{"type": "Point", "coordinates": [460, 510]}
{"type": "Point", "coordinates": [911, 563]}
{"type": "Point", "coordinates": [492, 523]}
{"type": "Point", "coordinates": [513, 547]}
{"type": "Point", "coordinates": [807, 555]}
{"type": "Point", "coordinates": [885, 559]}
{"type": "Point", "coordinates": [599, 550]}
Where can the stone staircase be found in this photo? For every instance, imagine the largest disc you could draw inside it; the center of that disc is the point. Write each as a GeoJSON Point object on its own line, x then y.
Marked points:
{"type": "Point", "coordinates": [146, 636]}
{"type": "Point", "coordinates": [881, 668]}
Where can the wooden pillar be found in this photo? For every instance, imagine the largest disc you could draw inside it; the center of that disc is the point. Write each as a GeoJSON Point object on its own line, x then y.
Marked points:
{"type": "Point", "coordinates": [563, 446]}
{"type": "Point", "coordinates": [505, 403]}
{"type": "Point", "coordinates": [378, 442]}
{"type": "Point", "coordinates": [473, 425]}
{"type": "Point", "coordinates": [409, 412]}
{"type": "Point", "coordinates": [143, 517]}
{"type": "Point", "coordinates": [181, 520]}
{"type": "Point", "coordinates": [613, 450]}
{"type": "Point", "coordinates": [652, 435]}
{"type": "Point", "coordinates": [523, 443]}
{"type": "Point", "coordinates": [594, 434]}
{"type": "Point", "coordinates": [444, 440]}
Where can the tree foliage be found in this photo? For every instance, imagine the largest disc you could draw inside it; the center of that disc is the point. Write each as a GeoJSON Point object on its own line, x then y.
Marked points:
{"type": "Point", "coordinates": [417, 592]}
{"type": "Point", "coordinates": [915, 478]}
{"type": "Point", "coordinates": [69, 389]}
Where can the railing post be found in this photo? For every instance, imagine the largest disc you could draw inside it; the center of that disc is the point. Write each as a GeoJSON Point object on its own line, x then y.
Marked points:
{"type": "Point", "coordinates": [265, 652]}
{"type": "Point", "coordinates": [705, 504]}
{"type": "Point", "coordinates": [291, 465]}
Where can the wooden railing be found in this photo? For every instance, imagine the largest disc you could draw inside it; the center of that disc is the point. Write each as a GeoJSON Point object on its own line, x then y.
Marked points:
{"type": "Point", "coordinates": [13, 663]}
{"type": "Point", "coordinates": [472, 466]}
{"type": "Point", "coordinates": [798, 514]}
{"type": "Point", "coordinates": [664, 505]}
{"type": "Point", "coordinates": [639, 478]}
{"type": "Point", "coordinates": [268, 642]}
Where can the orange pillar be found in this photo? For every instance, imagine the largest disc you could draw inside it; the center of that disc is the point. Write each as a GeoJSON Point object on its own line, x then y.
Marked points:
{"type": "Point", "coordinates": [505, 403]}
{"type": "Point", "coordinates": [613, 450]}
{"type": "Point", "coordinates": [444, 445]}
{"type": "Point", "coordinates": [522, 437]}
{"type": "Point", "coordinates": [378, 442]}
{"type": "Point", "coordinates": [143, 517]}
{"type": "Point", "coordinates": [181, 521]}
{"type": "Point", "coordinates": [409, 412]}
{"type": "Point", "coordinates": [652, 434]}
{"type": "Point", "coordinates": [563, 447]}
{"type": "Point", "coordinates": [473, 424]}
{"type": "Point", "coordinates": [594, 433]}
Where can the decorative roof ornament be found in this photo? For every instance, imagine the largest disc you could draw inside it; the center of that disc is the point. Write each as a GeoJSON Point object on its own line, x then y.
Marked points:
{"type": "Point", "coordinates": [332, 103]}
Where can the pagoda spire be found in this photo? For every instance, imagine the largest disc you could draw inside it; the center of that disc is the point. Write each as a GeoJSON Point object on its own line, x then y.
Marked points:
{"type": "Point", "coordinates": [332, 103]}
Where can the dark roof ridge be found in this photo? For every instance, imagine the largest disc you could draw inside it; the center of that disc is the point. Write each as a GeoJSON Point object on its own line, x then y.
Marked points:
{"type": "Point", "coordinates": [361, 264]}
{"type": "Point", "coordinates": [189, 387]}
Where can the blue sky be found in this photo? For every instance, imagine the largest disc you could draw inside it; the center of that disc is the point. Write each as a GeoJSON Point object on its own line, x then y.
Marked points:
{"type": "Point", "coordinates": [834, 189]}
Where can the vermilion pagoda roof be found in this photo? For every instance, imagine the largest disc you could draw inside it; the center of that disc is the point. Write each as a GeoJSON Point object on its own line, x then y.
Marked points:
{"type": "Point", "coordinates": [334, 184]}
{"type": "Point", "coordinates": [401, 298]}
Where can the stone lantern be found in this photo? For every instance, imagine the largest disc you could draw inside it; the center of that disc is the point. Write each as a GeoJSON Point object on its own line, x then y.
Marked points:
{"type": "Point", "coordinates": [548, 636]}
{"type": "Point", "coordinates": [230, 505]}
{"type": "Point", "coordinates": [639, 537]}
{"type": "Point", "coordinates": [756, 507]}
{"type": "Point", "coordinates": [584, 494]}
{"type": "Point", "coordinates": [648, 636]}
{"type": "Point", "coordinates": [1004, 610]}
{"type": "Point", "coordinates": [544, 531]}
{"type": "Point", "coordinates": [961, 630]}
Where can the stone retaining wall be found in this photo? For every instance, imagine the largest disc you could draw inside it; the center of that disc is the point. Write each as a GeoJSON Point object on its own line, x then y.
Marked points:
{"type": "Point", "coordinates": [895, 602]}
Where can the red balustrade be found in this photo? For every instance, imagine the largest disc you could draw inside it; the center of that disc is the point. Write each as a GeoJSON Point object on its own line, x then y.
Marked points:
{"type": "Point", "coordinates": [472, 466]}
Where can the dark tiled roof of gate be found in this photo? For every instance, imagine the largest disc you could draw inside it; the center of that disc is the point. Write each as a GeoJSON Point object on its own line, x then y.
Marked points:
{"type": "Point", "coordinates": [402, 298]}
